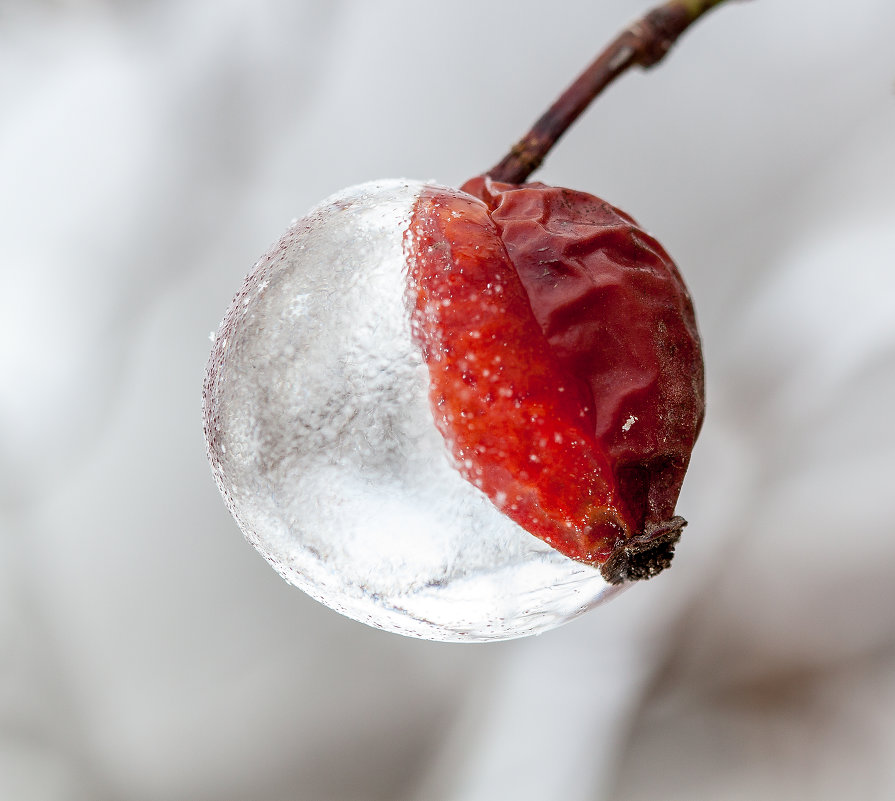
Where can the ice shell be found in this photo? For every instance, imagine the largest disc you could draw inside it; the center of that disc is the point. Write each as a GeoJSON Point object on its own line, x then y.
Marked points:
{"type": "Point", "coordinates": [321, 439]}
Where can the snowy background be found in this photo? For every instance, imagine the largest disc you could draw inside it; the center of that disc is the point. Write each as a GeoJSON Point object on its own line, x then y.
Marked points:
{"type": "Point", "coordinates": [151, 151]}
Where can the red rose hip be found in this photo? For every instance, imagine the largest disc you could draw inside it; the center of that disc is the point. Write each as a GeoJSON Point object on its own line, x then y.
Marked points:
{"type": "Point", "coordinates": [565, 366]}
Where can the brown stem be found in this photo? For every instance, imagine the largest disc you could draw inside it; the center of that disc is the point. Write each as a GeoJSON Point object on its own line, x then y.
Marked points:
{"type": "Point", "coordinates": [644, 43]}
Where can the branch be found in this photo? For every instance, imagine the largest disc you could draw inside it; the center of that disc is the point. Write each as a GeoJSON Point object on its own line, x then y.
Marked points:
{"type": "Point", "coordinates": [643, 44]}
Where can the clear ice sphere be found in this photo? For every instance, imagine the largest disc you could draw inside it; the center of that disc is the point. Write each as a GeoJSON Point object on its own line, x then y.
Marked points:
{"type": "Point", "coordinates": [321, 439]}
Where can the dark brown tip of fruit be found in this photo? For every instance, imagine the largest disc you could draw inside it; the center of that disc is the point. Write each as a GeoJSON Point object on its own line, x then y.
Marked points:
{"type": "Point", "coordinates": [645, 556]}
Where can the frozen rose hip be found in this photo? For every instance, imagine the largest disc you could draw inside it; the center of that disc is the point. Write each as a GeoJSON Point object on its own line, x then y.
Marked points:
{"type": "Point", "coordinates": [413, 435]}
{"type": "Point", "coordinates": [565, 366]}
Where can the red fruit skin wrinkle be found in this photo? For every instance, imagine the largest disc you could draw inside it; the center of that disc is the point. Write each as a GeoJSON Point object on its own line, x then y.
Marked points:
{"type": "Point", "coordinates": [616, 311]}
{"type": "Point", "coordinates": [573, 396]}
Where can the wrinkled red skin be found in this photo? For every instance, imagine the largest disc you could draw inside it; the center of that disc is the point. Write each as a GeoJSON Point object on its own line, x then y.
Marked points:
{"type": "Point", "coordinates": [565, 372]}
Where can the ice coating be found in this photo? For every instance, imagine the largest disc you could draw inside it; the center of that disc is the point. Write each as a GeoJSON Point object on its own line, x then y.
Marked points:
{"type": "Point", "coordinates": [323, 444]}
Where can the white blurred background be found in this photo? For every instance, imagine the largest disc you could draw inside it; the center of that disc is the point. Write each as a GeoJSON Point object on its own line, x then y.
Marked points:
{"type": "Point", "coordinates": [150, 151]}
